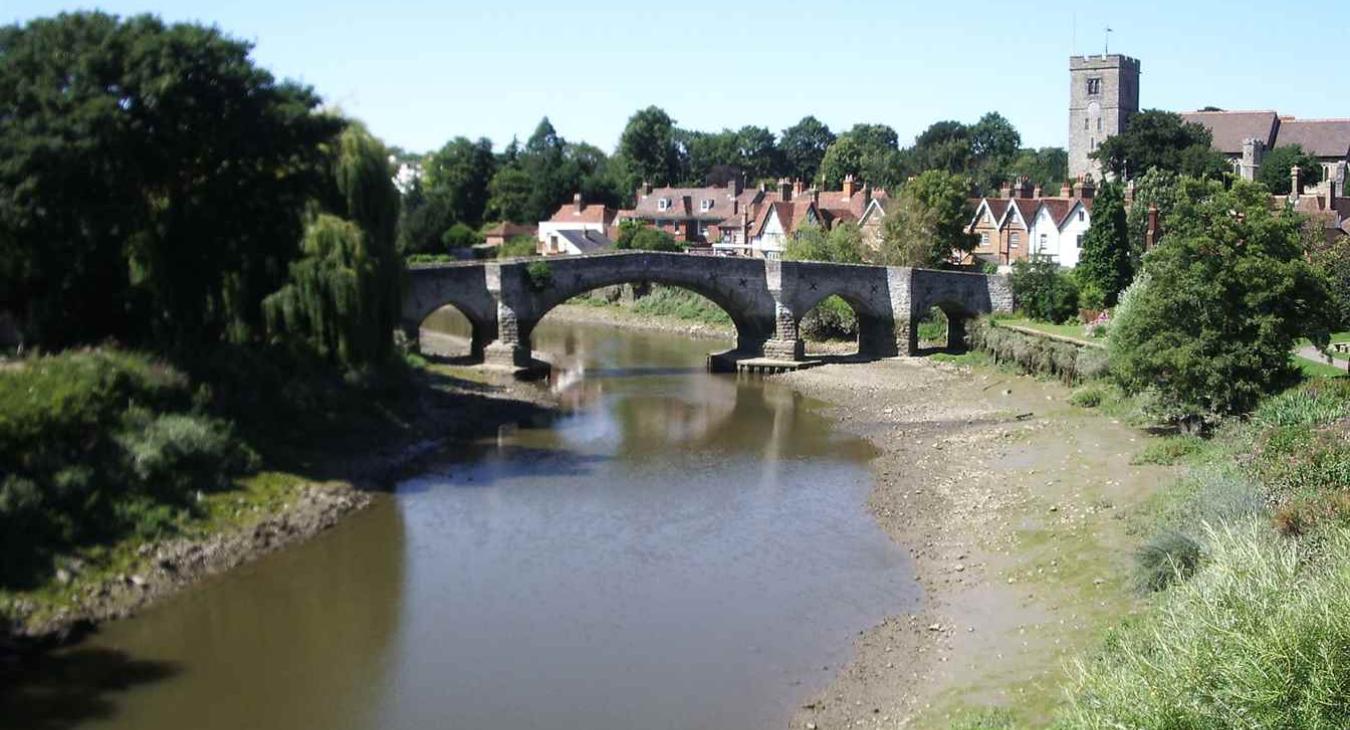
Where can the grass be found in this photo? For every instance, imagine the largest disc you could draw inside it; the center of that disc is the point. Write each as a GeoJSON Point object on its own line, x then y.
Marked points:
{"type": "Point", "coordinates": [1073, 330]}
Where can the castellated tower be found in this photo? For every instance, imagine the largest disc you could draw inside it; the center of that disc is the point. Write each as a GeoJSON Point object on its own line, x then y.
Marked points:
{"type": "Point", "coordinates": [1103, 95]}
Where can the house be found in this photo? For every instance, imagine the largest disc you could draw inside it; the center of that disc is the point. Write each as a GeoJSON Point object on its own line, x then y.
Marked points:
{"type": "Point", "coordinates": [576, 216]}
{"type": "Point", "coordinates": [503, 232]}
{"type": "Point", "coordinates": [572, 242]}
{"type": "Point", "coordinates": [782, 221]}
{"type": "Point", "coordinates": [1023, 223]}
{"type": "Point", "coordinates": [871, 222]}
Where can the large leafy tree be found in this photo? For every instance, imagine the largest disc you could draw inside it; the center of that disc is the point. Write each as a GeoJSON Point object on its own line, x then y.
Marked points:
{"type": "Point", "coordinates": [1222, 301]}
{"type": "Point", "coordinates": [1278, 164]}
{"type": "Point", "coordinates": [758, 153]}
{"type": "Point", "coordinates": [803, 148]}
{"type": "Point", "coordinates": [1164, 140]}
{"type": "Point", "coordinates": [1047, 167]}
{"type": "Point", "coordinates": [342, 300]}
{"type": "Point", "coordinates": [842, 244]}
{"type": "Point", "coordinates": [648, 148]}
{"type": "Point", "coordinates": [926, 225]}
{"type": "Point", "coordinates": [1155, 188]}
{"type": "Point", "coordinates": [152, 180]}
{"type": "Point", "coordinates": [1105, 267]}
{"type": "Point", "coordinates": [457, 176]}
{"type": "Point", "coordinates": [866, 152]}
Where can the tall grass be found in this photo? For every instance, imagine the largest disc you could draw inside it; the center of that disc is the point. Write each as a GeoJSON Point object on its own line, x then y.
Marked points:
{"type": "Point", "coordinates": [1037, 355]}
{"type": "Point", "coordinates": [1259, 638]}
{"type": "Point", "coordinates": [669, 301]}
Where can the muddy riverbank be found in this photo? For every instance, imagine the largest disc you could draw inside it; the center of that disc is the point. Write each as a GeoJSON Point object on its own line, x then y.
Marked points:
{"type": "Point", "coordinates": [1013, 505]}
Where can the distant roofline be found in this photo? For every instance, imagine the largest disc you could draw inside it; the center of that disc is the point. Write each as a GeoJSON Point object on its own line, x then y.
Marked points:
{"type": "Point", "coordinates": [1236, 111]}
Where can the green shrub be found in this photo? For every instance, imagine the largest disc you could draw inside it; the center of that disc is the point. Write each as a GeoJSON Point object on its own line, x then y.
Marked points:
{"type": "Point", "coordinates": [1044, 291]}
{"type": "Point", "coordinates": [1036, 355]}
{"type": "Point", "coordinates": [1088, 396]}
{"type": "Point", "coordinates": [832, 319]}
{"type": "Point", "coordinates": [1169, 450]}
{"type": "Point", "coordinates": [1166, 558]}
{"type": "Point", "coordinates": [538, 275]}
{"type": "Point", "coordinates": [1228, 295]}
{"type": "Point", "coordinates": [518, 247]}
{"type": "Point", "coordinates": [1258, 638]}
{"type": "Point", "coordinates": [933, 327]}
{"type": "Point", "coordinates": [669, 301]}
{"type": "Point", "coordinates": [460, 236]}
{"type": "Point", "coordinates": [95, 445]}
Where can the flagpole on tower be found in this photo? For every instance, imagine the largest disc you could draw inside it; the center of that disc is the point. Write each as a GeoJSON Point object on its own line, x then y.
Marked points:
{"type": "Point", "coordinates": [1107, 50]}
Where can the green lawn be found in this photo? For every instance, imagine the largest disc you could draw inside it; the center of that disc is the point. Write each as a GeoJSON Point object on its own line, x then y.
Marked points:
{"type": "Point", "coordinates": [1318, 369]}
{"type": "Point", "coordinates": [1072, 329]}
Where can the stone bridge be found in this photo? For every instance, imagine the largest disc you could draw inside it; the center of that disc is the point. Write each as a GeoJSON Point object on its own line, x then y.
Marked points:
{"type": "Point", "coordinates": [504, 300]}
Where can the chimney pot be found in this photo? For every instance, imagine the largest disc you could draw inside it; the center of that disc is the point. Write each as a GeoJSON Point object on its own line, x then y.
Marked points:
{"type": "Point", "coordinates": [1036, 192]}
{"type": "Point", "coordinates": [576, 201]}
{"type": "Point", "coordinates": [1295, 181]}
{"type": "Point", "coordinates": [1066, 190]}
{"type": "Point", "coordinates": [848, 186]}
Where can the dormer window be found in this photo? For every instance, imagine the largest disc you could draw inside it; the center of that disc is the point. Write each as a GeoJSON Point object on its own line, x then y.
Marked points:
{"type": "Point", "coordinates": [706, 205]}
{"type": "Point", "coordinates": [663, 204]}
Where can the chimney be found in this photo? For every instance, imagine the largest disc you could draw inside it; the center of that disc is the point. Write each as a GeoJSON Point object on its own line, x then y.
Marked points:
{"type": "Point", "coordinates": [737, 183]}
{"type": "Point", "coordinates": [644, 190]}
{"type": "Point", "coordinates": [1005, 190]}
{"type": "Point", "coordinates": [735, 206]}
{"type": "Point", "coordinates": [866, 195]}
{"type": "Point", "coordinates": [688, 202]}
{"type": "Point", "coordinates": [1089, 188]}
{"type": "Point", "coordinates": [1066, 190]}
{"type": "Point", "coordinates": [1331, 193]}
{"type": "Point", "coordinates": [1151, 233]}
{"type": "Point", "coordinates": [1036, 192]}
{"type": "Point", "coordinates": [784, 190]}
{"type": "Point", "coordinates": [848, 186]}
{"type": "Point", "coordinates": [797, 187]}
{"type": "Point", "coordinates": [576, 202]}
{"type": "Point", "coordinates": [815, 195]}
{"type": "Point", "coordinates": [1295, 181]}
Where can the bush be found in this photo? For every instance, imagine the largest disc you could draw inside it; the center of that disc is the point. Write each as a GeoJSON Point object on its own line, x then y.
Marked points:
{"type": "Point", "coordinates": [1228, 295]}
{"type": "Point", "coordinates": [518, 247]}
{"type": "Point", "coordinates": [1044, 291]}
{"type": "Point", "coordinates": [460, 236]}
{"type": "Point", "coordinates": [1036, 355]}
{"type": "Point", "coordinates": [1168, 557]}
{"type": "Point", "coordinates": [538, 275]}
{"type": "Point", "coordinates": [96, 445]}
{"type": "Point", "coordinates": [1088, 396]}
{"type": "Point", "coordinates": [669, 301]}
{"type": "Point", "coordinates": [1259, 638]}
{"type": "Point", "coordinates": [832, 319]}
{"type": "Point", "coordinates": [1169, 450]}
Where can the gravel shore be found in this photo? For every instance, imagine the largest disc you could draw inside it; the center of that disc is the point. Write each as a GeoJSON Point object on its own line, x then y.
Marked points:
{"type": "Point", "coordinates": [1011, 504]}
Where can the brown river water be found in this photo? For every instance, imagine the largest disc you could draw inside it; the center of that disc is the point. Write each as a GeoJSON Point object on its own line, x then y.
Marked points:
{"type": "Point", "coordinates": [677, 550]}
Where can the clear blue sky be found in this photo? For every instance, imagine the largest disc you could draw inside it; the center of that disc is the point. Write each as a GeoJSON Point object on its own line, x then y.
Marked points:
{"type": "Point", "coordinates": [419, 73]}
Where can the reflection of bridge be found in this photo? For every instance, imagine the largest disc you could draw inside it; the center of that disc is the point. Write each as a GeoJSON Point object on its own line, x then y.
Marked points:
{"type": "Point", "coordinates": [503, 301]}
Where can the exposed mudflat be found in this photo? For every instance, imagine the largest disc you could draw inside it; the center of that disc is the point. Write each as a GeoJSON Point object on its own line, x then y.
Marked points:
{"type": "Point", "coordinates": [1011, 503]}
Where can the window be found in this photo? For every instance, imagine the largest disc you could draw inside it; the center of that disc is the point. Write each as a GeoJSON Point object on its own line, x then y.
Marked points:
{"type": "Point", "coordinates": [1081, 214]}
{"type": "Point", "coordinates": [1045, 238]}
{"type": "Point", "coordinates": [706, 205]}
{"type": "Point", "coordinates": [663, 204]}
{"type": "Point", "coordinates": [1014, 239]}
{"type": "Point", "coordinates": [1078, 241]}
{"type": "Point", "coordinates": [984, 240]}
{"type": "Point", "coordinates": [1086, 121]}
{"type": "Point", "coordinates": [1094, 86]}
{"type": "Point", "coordinates": [1092, 143]}
{"type": "Point", "coordinates": [1099, 124]}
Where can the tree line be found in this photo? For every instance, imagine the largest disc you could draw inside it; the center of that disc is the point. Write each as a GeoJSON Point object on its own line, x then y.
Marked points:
{"type": "Point", "coordinates": [466, 184]}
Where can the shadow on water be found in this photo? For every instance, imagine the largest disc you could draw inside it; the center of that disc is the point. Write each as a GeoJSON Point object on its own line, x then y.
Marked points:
{"type": "Point", "coordinates": [485, 466]}
{"type": "Point", "coordinates": [68, 688]}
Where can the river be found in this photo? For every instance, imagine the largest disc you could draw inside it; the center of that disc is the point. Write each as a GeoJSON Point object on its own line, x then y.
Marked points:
{"type": "Point", "coordinates": [676, 550]}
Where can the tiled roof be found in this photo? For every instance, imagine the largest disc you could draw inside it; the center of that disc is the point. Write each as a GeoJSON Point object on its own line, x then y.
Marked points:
{"type": "Point", "coordinates": [568, 213]}
{"type": "Point", "coordinates": [1026, 208]}
{"type": "Point", "coordinates": [511, 230]}
{"type": "Point", "coordinates": [1229, 129]}
{"type": "Point", "coordinates": [649, 206]}
{"type": "Point", "coordinates": [1317, 137]}
{"type": "Point", "coordinates": [1058, 208]}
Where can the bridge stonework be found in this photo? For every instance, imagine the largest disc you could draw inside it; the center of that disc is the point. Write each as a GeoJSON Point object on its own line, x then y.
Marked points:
{"type": "Point", "coordinates": [766, 300]}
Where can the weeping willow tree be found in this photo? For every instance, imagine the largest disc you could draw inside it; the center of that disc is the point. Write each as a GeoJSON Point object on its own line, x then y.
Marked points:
{"type": "Point", "coordinates": [342, 298]}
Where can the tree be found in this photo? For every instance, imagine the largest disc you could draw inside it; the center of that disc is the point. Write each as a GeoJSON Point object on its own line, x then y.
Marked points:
{"type": "Point", "coordinates": [648, 146]}
{"type": "Point", "coordinates": [866, 152]}
{"type": "Point", "coordinates": [459, 174]}
{"type": "Point", "coordinates": [757, 153]}
{"type": "Point", "coordinates": [343, 297]}
{"type": "Point", "coordinates": [926, 224]}
{"type": "Point", "coordinates": [636, 235]}
{"type": "Point", "coordinates": [1225, 297]}
{"type": "Point", "coordinates": [1331, 259]}
{"type": "Point", "coordinates": [1155, 188]}
{"type": "Point", "coordinates": [1279, 162]}
{"type": "Point", "coordinates": [842, 244]}
{"type": "Point", "coordinates": [993, 137]}
{"type": "Point", "coordinates": [1160, 139]}
{"type": "Point", "coordinates": [509, 196]}
{"type": "Point", "coordinates": [152, 180]}
{"type": "Point", "coordinates": [552, 179]}
{"type": "Point", "coordinates": [1104, 267]}
{"type": "Point", "coordinates": [803, 147]}
{"type": "Point", "coordinates": [1044, 291]}
{"type": "Point", "coordinates": [1047, 167]}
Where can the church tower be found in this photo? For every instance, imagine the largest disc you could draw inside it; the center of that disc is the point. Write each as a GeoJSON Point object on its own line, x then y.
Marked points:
{"type": "Point", "coordinates": [1103, 95]}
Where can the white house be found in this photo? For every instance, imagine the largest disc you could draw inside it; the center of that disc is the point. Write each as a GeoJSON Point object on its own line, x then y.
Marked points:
{"type": "Point", "coordinates": [1057, 228]}
{"type": "Point", "coordinates": [597, 221]}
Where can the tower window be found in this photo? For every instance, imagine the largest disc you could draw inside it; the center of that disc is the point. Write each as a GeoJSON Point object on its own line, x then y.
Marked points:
{"type": "Point", "coordinates": [1085, 124]}
{"type": "Point", "coordinates": [1094, 86]}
